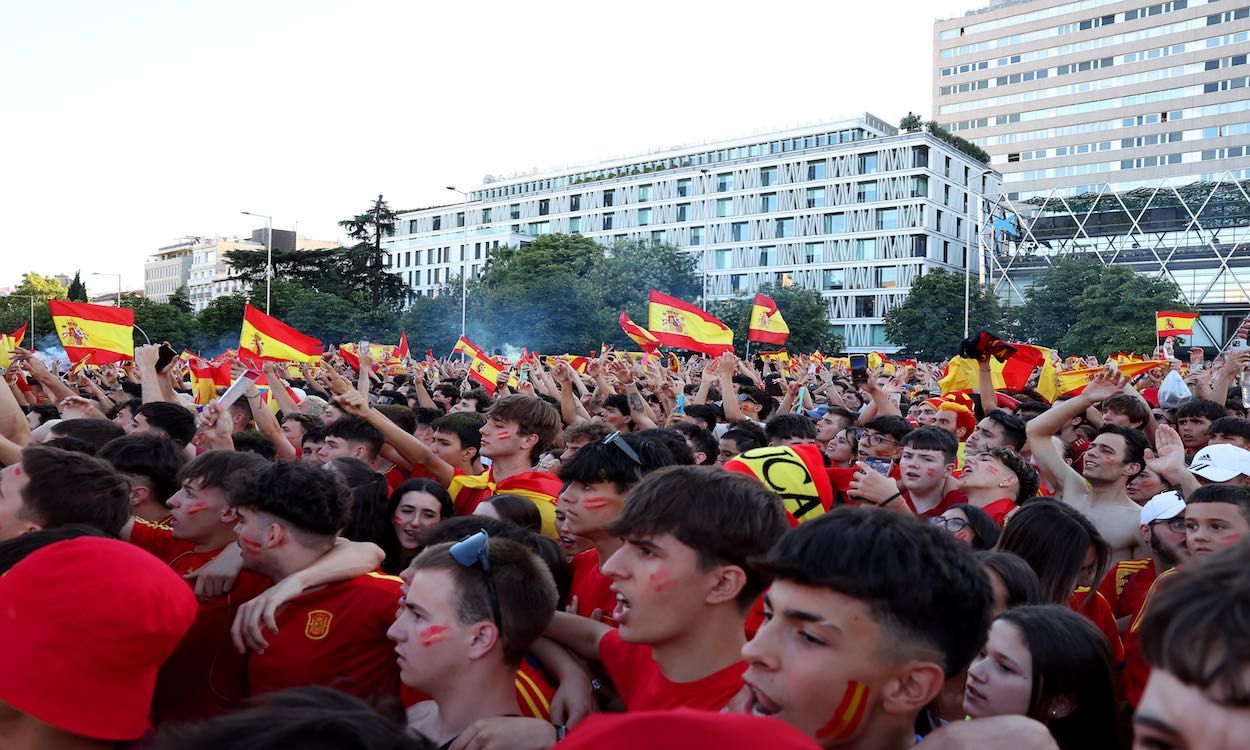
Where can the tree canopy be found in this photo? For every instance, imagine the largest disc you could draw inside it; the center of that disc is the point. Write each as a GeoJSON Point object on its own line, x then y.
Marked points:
{"type": "Point", "coordinates": [930, 323]}
{"type": "Point", "coordinates": [804, 310]}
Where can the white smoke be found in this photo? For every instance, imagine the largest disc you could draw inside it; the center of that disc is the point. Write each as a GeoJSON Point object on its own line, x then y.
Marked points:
{"type": "Point", "coordinates": [510, 352]}
{"type": "Point", "coordinates": [51, 353]}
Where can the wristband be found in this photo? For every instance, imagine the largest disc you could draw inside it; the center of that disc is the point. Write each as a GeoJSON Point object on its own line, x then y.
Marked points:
{"type": "Point", "coordinates": [889, 499]}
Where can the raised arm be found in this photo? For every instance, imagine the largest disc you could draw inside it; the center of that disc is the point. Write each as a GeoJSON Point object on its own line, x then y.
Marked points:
{"type": "Point", "coordinates": [1071, 485]}
{"type": "Point", "coordinates": [277, 389]}
{"type": "Point", "coordinates": [408, 446]}
{"type": "Point", "coordinates": [267, 423]}
{"type": "Point", "coordinates": [581, 635]}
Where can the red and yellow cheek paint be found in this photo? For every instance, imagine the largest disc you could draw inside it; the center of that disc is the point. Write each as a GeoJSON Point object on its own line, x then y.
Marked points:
{"type": "Point", "coordinates": [848, 715]}
{"type": "Point", "coordinates": [595, 503]}
{"type": "Point", "coordinates": [433, 634]}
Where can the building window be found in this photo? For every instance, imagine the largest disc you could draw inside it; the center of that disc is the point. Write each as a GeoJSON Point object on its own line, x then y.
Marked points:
{"type": "Point", "coordinates": [544, 207]}
{"type": "Point", "coordinates": [412, 226]}
{"type": "Point", "coordinates": [607, 222]}
{"type": "Point", "coordinates": [866, 191]}
{"type": "Point", "coordinates": [920, 187]}
{"type": "Point", "coordinates": [514, 211]}
{"type": "Point", "coordinates": [887, 277]}
{"type": "Point", "coordinates": [784, 228]}
{"type": "Point", "coordinates": [696, 235]}
{"type": "Point", "coordinates": [816, 197]}
{"type": "Point", "coordinates": [867, 163]}
{"type": "Point", "coordinates": [486, 216]}
{"type": "Point", "coordinates": [768, 203]}
{"type": "Point", "coordinates": [724, 207]}
{"type": "Point", "coordinates": [644, 193]}
{"type": "Point", "coordinates": [438, 223]}
{"type": "Point", "coordinates": [833, 279]}
{"type": "Point", "coordinates": [575, 203]}
{"type": "Point", "coordinates": [919, 246]}
{"type": "Point", "coordinates": [835, 223]}
{"type": "Point", "coordinates": [812, 252]}
{"type": "Point", "coordinates": [644, 217]}
{"type": "Point", "coordinates": [658, 237]}
{"type": "Point", "coordinates": [815, 170]}
{"type": "Point", "coordinates": [683, 212]}
{"type": "Point", "coordinates": [738, 231]}
{"type": "Point", "coordinates": [768, 176]}
{"type": "Point", "coordinates": [724, 182]}
{"type": "Point", "coordinates": [864, 306]}
{"type": "Point", "coordinates": [887, 218]}
{"type": "Point", "coordinates": [609, 197]}
{"type": "Point", "coordinates": [460, 219]}
{"type": "Point", "coordinates": [429, 256]}
{"type": "Point", "coordinates": [539, 228]}
{"type": "Point", "coordinates": [683, 188]}
{"type": "Point", "coordinates": [722, 259]}
{"type": "Point", "coordinates": [865, 249]}
{"type": "Point", "coordinates": [768, 255]}
{"type": "Point", "coordinates": [575, 225]}
{"type": "Point", "coordinates": [738, 282]}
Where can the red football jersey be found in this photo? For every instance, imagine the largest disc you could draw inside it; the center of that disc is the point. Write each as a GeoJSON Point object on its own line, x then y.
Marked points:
{"type": "Point", "coordinates": [998, 510]}
{"type": "Point", "coordinates": [205, 675]}
{"type": "Point", "coordinates": [591, 587]}
{"type": "Point", "coordinates": [1125, 586]}
{"type": "Point", "coordinates": [334, 636]}
{"type": "Point", "coordinates": [643, 687]}
{"type": "Point", "coordinates": [1097, 611]}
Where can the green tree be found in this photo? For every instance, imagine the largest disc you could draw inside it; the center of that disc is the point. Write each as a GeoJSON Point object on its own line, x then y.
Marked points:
{"type": "Point", "coordinates": [369, 228]}
{"type": "Point", "coordinates": [181, 299]}
{"type": "Point", "coordinates": [434, 322]}
{"type": "Point", "coordinates": [220, 321]}
{"type": "Point", "coordinates": [162, 322]}
{"type": "Point", "coordinates": [961, 144]}
{"type": "Point", "coordinates": [1117, 312]}
{"type": "Point", "coordinates": [1048, 312]}
{"type": "Point", "coordinates": [804, 310]}
{"type": "Point", "coordinates": [77, 291]}
{"type": "Point", "coordinates": [631, 269]}
{"type": "Point", "coordinates": [911, 123]}
{"type": "Point", "coordinates": [929, 323]}
{"type": "Point", "coordinates": [15, 308]}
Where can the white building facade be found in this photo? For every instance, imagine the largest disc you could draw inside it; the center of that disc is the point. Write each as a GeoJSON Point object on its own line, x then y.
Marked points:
{"type": "Point", "coordinates": [852, 208]}
{"type": "Point", "coordinates": [167, 271]}
{"type": "Point", "coordinates": [209, 274]}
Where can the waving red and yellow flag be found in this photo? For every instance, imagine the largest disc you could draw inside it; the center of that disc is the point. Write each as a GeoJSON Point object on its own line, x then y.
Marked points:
{"type": "Point", "coordinates": [466, 347]}
{"type": "Point", "coordinates": [1012, 375]}
{"type": "Point", "coordinates": [270, 339]}
{"type": "Point", "coordinates": [767, 326]}
{"type": "Point", "coordinates": [106, 333]}
{"type": "Point", "coordinates": [684, 326]}
{"type": "Point", "coordinates": [1072, 382]}
{"type": "Point", "coordinates": [1175, 323]}
{"type": "Point", "coordinates": [485, 370]}
{"type": "Point", "coordinates": [639, 335]}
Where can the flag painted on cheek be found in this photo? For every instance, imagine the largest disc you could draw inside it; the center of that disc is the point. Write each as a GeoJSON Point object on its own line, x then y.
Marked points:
{"type": "Point", "coordinates": [848, 715]}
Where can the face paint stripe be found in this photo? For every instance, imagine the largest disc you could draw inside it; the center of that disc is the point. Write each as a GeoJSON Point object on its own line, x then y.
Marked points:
{"type": "Point", "coordinates": [433, 634]}
{"type": "Point", "coordinates": [594, 503]}
{"type": "Point", "coordinates": [848, 715]}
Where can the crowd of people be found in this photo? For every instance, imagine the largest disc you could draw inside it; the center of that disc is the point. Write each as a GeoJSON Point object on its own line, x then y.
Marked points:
{"type": "Point", "coordinates": [714, 552]}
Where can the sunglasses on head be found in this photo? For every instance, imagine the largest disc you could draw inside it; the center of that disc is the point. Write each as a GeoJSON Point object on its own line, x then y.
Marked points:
{"type": "Point", "coordinates": [619, 441]}
{"type": "Point", "coordinates": [475, 550]}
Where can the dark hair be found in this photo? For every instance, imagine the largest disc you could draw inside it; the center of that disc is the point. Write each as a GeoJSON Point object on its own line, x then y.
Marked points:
{"type": "Point", "coordinates": [526, 592]}
{"type": "Point", "coordinates": [895, 427]}
{"type": "Point", "coordinates": [251, 441]}
{"type": "Point", "coordinates": [877, 556]}
{"type": "Point", "coordinates": [517, 510]}
{"type": "Point", "coordinates": [73, 445]}
{"type": "Point", "coordinates": [533, 416]}
{"type": "Point", "coordinates": [152, 457]}
{"type": "Point", "coordinates": [1200, 408]}
{"type": "Point", "coordinates": [674, 441]}
{"type": "Point", "coordinates": [726, 518]}
{"type": "Point", "coordinates": [703, 440]}
{"type": "Point", "coordinates": [397, 557]}
{"type": "Point", "coordinates": [466, 425]}
{"type": "Point", "coordinates": [984, 531]}
{"type": "Point", "coordinates": [1223, 493]}
{"type": "Point", "coordinates": [307, 497]}
{"type": "Point", "coordinates": [1130, 406]}
{"type": "Point", "coordinates": [1135, 444]}
{"type": "Point", "coordinates": [702, 413]}
{"type": "Point", "coordinates": [44, 411]}
{"type": "Point", "coordinates": [425, 416]}
{"type": "Point", "coordinates": [743, 439]}
{"type": "Point", "coordinates": [1235, 426]}
{"type": "Point", "coordinates": [1070, 657]}
{"type": "Point", "coordinates": [65, 488]}
{"type": "Point", "coordinates": [1053, 539]}
{"type": "Point", "coordinates": [480, 397]}
{"type": "Point", "coordinates": [1027, 410]}
{"type": "Point", "coordinates": [619, 402]}
{"type": "Point", "coordinates": [1013, 428]}
{"type": "Point", "coordinates": [172, 419]}
{"type": "Point", "coordinates": [788, 427]}
{"type": "Point", "coordinates": [586, 432]}
{"type": "Point", "coordinates": [455, 529]}
{"type": "Point", "coordinates": [1026, 476]}
{"type": "Point", "coordinates": [93, 432]}
{"type": "Point", "coordinates": [242, 406]}
{"type": "Point", "coordinates": [13, 551]}
{"type": "Point", "coordinates": [311, 718]}
{"type": "Point", "coordinates": [400, 415]}
{"type": "Point", "coordinates": [608, 462]}
{"type": "Point", "coordinates": [307, 422]}
{"type": "Point", "coordinates": [1195, 626]}
{"type": "Point", "coordinates": [931, 438]}
{"type": "Point", "coordinates": [132, 389]}
{"type": "Point", "coordinates": [1018, 578]}
{"type": "Point", "coordinates": [367, 517]}
{"type": "Point", "coordinates": [313, 435]}
{"type": "Point", "coordinates": [357, 430]}
{"type": "Point", "coordinates": [220, 468]}
{"type": "Point", "coordinates": [133, 405]}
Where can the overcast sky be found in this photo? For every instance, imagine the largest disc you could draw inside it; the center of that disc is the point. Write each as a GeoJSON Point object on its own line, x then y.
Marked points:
{"type": "Point", "coordinates": [128, 125]}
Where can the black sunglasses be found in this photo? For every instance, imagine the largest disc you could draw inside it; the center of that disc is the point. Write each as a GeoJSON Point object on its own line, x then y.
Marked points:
{"type": "Point", "coordinates": [475, 550]}
{"type": "Point", "coordinates": [619, 441]}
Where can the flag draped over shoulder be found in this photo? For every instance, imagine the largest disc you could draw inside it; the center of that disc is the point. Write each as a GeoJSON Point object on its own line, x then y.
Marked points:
{"type": "Point", "coordinates": [270, 339]}
{"type": "Point", "coordinates": [1174, 323]}
{"type": "Point", "coordinates": [105, 333]}
{"type": "Point", "coordinates": [767, 326]}
{"type": "Point", "coordinates": [1012, 375]}
{"type": "Point", "coordinates": [682, 325]}
{"type": "Point", "coordinates": [639, 335]}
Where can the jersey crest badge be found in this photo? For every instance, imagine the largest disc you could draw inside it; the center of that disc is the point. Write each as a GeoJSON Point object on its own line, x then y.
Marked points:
{"type": "Point", "coordinates": [318, 625]}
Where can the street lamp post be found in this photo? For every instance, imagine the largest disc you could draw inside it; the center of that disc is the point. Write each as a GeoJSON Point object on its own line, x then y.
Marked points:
{"type": "Point", "coordinates": [119, 285]}
{"type": "Point", "coordinates": [979, 196]}
{"type": "Point", "coordinates": [704, 261]}
{"type": "Point", "coordinates": [268, 252]}
{"type": "Point", "coordinates": [464, 262]}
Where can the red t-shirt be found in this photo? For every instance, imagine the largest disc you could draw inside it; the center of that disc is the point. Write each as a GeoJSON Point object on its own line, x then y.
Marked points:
{"type": "Point", "coordinates": [395, 476]}
{"type": "Point", "coordinates": [643, 687]}
{"type": "Point", "coordinates": [205, 675]}
{"type": "Point", "coordinates": [954, 497]}
{"type": "Point", "coordinates": [1096, 610]}
{"type": "Point", "coordinates": [1136, 668]}
{"type": "Point", "coordinates": [998, 510]}
{"type": "Point", "coordinates": [1125, 586]}
{"type": "Point", "coordinates": [334, 636]}
{"type": "Point", "coordinates": [592, 588]}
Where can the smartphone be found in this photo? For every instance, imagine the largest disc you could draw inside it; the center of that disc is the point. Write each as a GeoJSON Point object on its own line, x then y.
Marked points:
{"type": "Point", "coordinates": [859, 368]}
{"type": "Point", "coordinates": [878, 464]}
{"type": "Point", "coordinates": [362, 347]}
{"type": "Point", "coordinates": [681, 403]}
{"type": "Point", "coordinates": [165, 356]}
{"type": "Point", "coordinates": [238, 388]}
{"type": "Point", "coordinates": [525, 374]}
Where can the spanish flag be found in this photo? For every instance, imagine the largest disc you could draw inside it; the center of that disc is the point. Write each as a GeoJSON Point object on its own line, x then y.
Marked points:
{"type": "Point", "coordinates": [466, 347]}
{"type": "Point", "coordinates": [15, 338]}
{"type": "Point", "coordinates": [106, 333]}
{"type": "Point", "coordinates": [777, 356]}
{"type": "Point", "coordinates": [1011, 375]}
{"type": "Point", "coordinates": [767, 325]}
{"type": "Point", "coordinates": [639, 335]}
{"type": "Point", "coordinates": [269, 338]}
{"type": "Point", "coordinates": [206, 378]}
{"type": "Point", "coordinates": [1174, 323]}
{"type": "Point", "coordinates": [682, 325]}
{"type": "Point", "coordinates": [401, 351]}
{"type": "Point", "coordinates": [1072, 382]}
{"type": "Point", "coordinates": [485, 371]}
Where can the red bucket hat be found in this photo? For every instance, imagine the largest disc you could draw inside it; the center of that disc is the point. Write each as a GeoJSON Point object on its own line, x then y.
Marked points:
{"type": "Point", "coordinates": [84, 626]}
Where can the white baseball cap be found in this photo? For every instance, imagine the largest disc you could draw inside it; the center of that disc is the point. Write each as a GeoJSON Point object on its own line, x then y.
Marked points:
{"type": "Point", "coordinates": [1161, 507]}
{"type": "Point", "coordinates": [1220, 463]}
